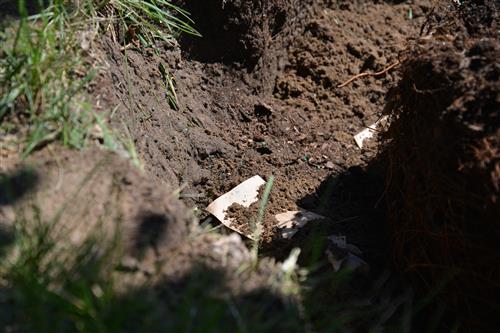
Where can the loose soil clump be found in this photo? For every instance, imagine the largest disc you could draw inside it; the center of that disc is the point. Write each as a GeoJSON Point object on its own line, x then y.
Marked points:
{"type": "Point", "coordinates": [444, 159]}
{"type": "Point", "coordinates": [94, 192]}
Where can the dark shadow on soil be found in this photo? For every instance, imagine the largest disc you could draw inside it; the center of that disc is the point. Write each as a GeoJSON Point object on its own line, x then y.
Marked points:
{"type": "Point", "coordinates": [197, 301]}
{"type": "Point", "coordinates": [206, 301]}
{"type": "Point", "coordinates": [152, 230]}
{"type": "Point", "coordinates": [352, 203]}
{"type": "Point", "coordinates": [381, 296]}
{"type": "Point", "coordinates": [14, 186]}
{"type": "Point", "coordinates": [216, 44]}
{"type": "Point", "coordinates": [6, 238]}
{"type": "Point", "coordinates": [10, 8]}
{"type": "Point", "coordinates": [232, 32]}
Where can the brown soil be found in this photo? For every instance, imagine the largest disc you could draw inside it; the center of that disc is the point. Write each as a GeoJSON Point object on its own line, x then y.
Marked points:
{"type": "Point", "coordinates": [259, 95]}
{"type": "Point", "coordinates": [93, 190]}
{"type": "Point", "coordinates": [164, 258]}
{"type": "Point", "coordinates": [245, 218]}
{"type": "Point", "coordinates": [235, 31]}
{"type": "Point", "coordinates": [284, 117]}
{"type": "Point", "coordinates": [280, 114]}
{"type": "Point", "coordinates": [97, 194]}
{"type": "Point", "coordinates": [443, 194]}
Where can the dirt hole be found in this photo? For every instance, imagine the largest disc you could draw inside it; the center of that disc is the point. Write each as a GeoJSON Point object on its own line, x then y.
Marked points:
{"type": "Point", "coordinates": [234, 31]}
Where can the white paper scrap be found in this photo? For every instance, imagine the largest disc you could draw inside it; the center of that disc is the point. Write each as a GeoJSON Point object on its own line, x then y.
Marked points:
{"type": "Point", "coordinates": [369, 132]}
{"type": "Point", "coordinates": [341, 242]}
{"type": "Point", "coordinates": [351, 259]}
{"type": "Point", "coordinates": [290, 222]}
{"type": "Point", "coordinates": [244, 194]}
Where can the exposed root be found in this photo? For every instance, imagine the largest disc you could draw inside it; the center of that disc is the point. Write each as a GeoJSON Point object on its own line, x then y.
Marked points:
{"type": "Point", "coordinates": [360, 75]}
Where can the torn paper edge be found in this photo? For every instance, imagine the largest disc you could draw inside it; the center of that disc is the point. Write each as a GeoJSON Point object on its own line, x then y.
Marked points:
{"type": "Point", "coordinates": [352, 260]}
{"type": "Point", "coordinates": [369, 132]}
{"type": "Point", "coordinates": [244, 194]}
{"type": "Point", "coordinates": [341, 242]}
{"type": "Point", "coordinates": [290, 222]}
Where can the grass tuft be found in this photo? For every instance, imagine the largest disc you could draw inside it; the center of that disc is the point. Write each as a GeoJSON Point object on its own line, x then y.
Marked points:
{"type": "Point", "coordinates": [38, 81]}
{"type": "Point", "coordinates": [147, 20]}
{"type": "Point", "coordinates": [169, 81]}
{"type": "Point", "coordinates": [258, 227]}
{"type": "Point", "coordinates": [42, 88]}
{"type": "Point", "coordinates": [55, 286]}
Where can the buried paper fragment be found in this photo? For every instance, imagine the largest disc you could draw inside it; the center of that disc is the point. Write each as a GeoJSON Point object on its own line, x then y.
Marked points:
{"type": "Point", "coordinates": [369, 132]}
{"type": "Point", "coordinates": [244, 194]}
{"type": "Point", "coordinates": [247, 193]}
{"type": "Point", "coordinates": [344, 255]}
{"type": "Point", "coordinates": [290, 222]}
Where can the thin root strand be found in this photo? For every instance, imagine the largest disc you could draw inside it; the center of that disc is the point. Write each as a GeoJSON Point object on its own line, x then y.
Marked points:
{"type": "Point", "coordinates": [360, 75]}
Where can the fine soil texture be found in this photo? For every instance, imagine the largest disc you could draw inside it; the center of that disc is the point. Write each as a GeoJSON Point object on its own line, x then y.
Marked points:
{"type": "Point", "coordinates": [276, 112]}
{"type": "Point", "coordinates": [280, 88]}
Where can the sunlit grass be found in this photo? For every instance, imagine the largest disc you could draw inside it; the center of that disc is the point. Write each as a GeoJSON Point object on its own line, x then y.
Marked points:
{"type": "Point", "coordinates": [147, 20]}
{"type": "Point", "coordinates": [43, 77]}
{"type": "Point", "coordinates": [38, 81]}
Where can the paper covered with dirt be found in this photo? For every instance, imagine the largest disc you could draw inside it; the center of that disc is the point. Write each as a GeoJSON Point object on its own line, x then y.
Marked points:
{"type": "Point", "coordinates": [247, 193]}
{"type": "Point", "coordinates": [244, 194]}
